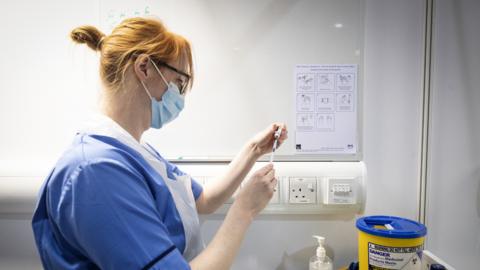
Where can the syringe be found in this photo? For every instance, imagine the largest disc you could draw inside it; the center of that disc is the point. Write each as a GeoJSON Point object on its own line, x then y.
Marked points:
{"type": "Point", "coordinates": [276, 135]}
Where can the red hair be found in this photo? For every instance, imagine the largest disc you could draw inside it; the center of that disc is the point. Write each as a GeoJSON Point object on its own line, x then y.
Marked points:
{"type": "Point", "coordinates": [130, 38]}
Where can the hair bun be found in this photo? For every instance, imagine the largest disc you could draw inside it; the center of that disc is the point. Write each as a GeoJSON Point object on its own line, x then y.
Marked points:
{"type": "Point", "coordinates": [89, 35]}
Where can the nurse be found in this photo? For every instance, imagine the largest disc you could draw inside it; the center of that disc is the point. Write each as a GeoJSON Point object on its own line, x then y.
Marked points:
{"type": "Point", "coordinates": [112, 201]}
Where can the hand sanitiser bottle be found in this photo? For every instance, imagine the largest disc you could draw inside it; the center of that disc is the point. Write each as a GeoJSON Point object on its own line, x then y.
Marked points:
{"type": "Point", "coordinates": [320, 261]}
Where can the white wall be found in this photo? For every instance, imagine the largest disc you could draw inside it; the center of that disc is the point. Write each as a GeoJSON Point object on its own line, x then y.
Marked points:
{"type": "Point", "coordinates": [392, 99]}
{"type": "Point", "coordinates": [453, 195]}
{"type": "Point", "coordinates": [392, 105]}
{"type": "Point", "coordinates": [46, 84]}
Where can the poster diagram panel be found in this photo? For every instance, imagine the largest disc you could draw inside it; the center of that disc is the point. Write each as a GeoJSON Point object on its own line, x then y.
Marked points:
{"type": "Point", "coordinates": [325, 111]}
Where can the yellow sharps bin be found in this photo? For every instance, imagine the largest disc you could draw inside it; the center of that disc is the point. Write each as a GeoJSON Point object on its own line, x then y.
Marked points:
{"type": "Point", "coordinates": [387, 242]}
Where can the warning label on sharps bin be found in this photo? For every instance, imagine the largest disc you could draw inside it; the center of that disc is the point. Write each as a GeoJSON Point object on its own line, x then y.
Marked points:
{"type": "Point", "coordinates": [386, 258]}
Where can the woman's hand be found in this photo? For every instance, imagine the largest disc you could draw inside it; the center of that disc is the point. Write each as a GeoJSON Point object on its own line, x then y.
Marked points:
{"type": "Point", "coordinates": [258, 191]}
{"type": "Point", "coordinates": [263, 142]}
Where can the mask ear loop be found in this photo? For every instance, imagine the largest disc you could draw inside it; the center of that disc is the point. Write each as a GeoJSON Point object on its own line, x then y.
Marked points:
{"type": "Point", "coordinates": [161, 75]}
{"type": "Point", "coordinates": [158, 70]}
{"type": "Point", "coordinates": [146, 90]}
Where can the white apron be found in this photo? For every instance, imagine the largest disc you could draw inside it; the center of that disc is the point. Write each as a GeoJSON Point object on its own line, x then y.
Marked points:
{"type": "Point", "coordinates": [180, 187]}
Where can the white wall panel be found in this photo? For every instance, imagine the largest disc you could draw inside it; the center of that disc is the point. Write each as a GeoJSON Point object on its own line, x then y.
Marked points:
{"type": "Point", "coordinates": [453, 191]}
{"type": "Point", "coordinates": [392, 105]}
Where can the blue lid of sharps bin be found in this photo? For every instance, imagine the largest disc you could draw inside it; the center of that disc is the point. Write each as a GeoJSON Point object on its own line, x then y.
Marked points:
{"type": "Point", "coordinates": [391, 227]}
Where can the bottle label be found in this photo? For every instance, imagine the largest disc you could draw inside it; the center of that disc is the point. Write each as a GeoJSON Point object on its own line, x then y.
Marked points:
{"type": "Point", "coordinates": [386, 258]}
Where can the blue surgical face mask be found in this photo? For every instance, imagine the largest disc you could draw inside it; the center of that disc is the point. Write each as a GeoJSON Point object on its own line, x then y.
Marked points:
{"type": "Point", "coordinates": [169, 107]}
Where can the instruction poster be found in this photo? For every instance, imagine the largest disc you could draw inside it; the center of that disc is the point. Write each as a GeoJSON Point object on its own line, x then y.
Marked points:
{"type": "Point", "coordinates": [326, 109]}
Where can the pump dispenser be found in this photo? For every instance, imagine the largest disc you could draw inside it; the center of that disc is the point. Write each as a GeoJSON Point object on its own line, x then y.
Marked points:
{"type": "Point", "coordinates": [320, 261]}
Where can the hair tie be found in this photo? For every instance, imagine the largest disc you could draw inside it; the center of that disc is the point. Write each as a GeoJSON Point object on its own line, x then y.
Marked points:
{"type": "Point", "coordinates": [100, 42]}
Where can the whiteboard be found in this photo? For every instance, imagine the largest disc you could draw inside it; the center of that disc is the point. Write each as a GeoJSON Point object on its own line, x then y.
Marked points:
{"type": "Point", "coordinates": [47, 84]}
{"type": "Point", "coordinates": [245, 53]}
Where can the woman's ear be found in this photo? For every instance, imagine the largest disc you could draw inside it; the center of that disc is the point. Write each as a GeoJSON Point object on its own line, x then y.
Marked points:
{"type": "Point", "coordinates": [140, 67]}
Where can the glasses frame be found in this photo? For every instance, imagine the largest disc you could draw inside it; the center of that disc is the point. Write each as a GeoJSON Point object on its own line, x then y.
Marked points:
{"type": "Point", "coordinates": [183, 90]}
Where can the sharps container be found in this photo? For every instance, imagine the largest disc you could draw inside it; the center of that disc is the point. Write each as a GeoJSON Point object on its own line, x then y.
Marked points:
{"type": "Point", "coordinates": [387, 242]}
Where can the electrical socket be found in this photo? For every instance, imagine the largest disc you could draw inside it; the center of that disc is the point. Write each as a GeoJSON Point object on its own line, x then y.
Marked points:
{"type": "Point", "coordinates": [302, 190]}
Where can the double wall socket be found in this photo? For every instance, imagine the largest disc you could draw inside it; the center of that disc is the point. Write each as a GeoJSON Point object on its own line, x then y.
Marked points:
{"type": "Point", "coordinates": [302, 190]}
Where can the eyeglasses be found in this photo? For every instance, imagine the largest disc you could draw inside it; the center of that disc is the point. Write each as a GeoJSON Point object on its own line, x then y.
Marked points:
{"type": "Point", "coordinates": [182, 84]}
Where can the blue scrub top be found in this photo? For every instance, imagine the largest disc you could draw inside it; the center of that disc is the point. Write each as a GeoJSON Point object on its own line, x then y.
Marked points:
{"type": "Point", "coordinates": [104, 207]}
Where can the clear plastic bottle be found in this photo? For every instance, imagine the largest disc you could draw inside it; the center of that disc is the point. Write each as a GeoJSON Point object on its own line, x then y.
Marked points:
{"type": "Point", "coordinates": [320, 261]}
